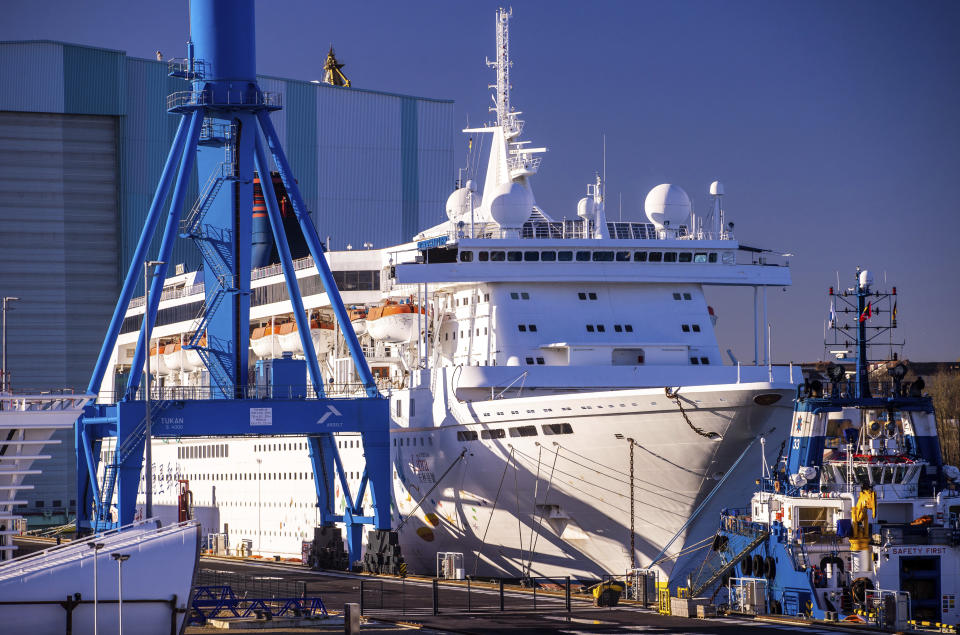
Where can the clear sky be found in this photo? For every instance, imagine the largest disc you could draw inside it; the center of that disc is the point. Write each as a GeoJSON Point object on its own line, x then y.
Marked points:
{"type": "Point", "coordinates": [833, 125]}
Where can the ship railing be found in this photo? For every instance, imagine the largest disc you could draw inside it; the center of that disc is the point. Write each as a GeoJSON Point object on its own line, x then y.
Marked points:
{"type": "Point", "coordinates": [43, 400]}
{"type": "Point", "coordinates": [253, 391]}
{"type": "Point", "coordinates": [879, 388]}
{"type": "Point", "coordinates": [185, 68]}
{"type": "Point", "coordinates": [171, 293]}
{"type": "Point", "coordinates": [67, 551]}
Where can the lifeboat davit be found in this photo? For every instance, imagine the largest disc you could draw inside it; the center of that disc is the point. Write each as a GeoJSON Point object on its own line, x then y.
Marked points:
{"type": "Point", "coordinates": [172, 357]}
{"type": "Point", "coordinates": [265, 342]}
{"type": "Point", "coordinates": [393, 322]}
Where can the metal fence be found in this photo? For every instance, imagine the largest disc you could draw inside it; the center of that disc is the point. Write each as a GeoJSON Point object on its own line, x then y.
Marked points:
{"type": "Point", "coordinates": [252, 586]}
{"type": "Point", "coordinates": [406, 597]}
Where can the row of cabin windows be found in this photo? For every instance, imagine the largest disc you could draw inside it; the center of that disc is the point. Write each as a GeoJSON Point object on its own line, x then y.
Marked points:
{"type": "Point", "coordinates": [408, 441]}
{"type": "Point", "coordinates": [521, 431]}
{"type": "Point", "coordinates": [279, 447]}
{"type": "Point", "coordinates": [588, 256]}
{"type": "Point", "coordinates": [699, 360]}
{"type": "Point", "coordinates": [587, 296]}
{"type": "Point", "coordinates": [686, 328]}
{"type": "Point", "coordinates": [521, 295]}
{"type": "Point", "coordinates": [446, 336]}
{"type": "Point", "coordinates": [684, 296]}
{"type": "Point", "coordinates": [218, 451]}
{"type": "Point", "coordinates": [242, 476]}
{"type": "Point", "coordinates": [466, 301]}
{"type": "Point", "coordinates": [619, 328]}
{"type": "Point", "coordinates": [39, 504]}
{"type": "Point", "coordinates": [540, 361]}
{"type": "Point", "coordinates": [523, 328]}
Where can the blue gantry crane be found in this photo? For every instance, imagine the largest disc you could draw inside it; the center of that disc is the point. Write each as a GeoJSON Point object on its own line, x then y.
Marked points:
{"type": "Point", "coordinates": [225, 129]}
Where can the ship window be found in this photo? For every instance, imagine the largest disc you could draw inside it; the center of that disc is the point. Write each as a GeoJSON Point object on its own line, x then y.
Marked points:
{"type": "Point", "coordinates": [699, 257]}
{"type": "Point", "coordinates": [532, 328]}
{"type": "Point", "coordinates": [548, 256]}
{"type": "Point", "coordinates": [531, 256]}
{"type": "Point", "coordinates": [669, 256]}
{"type": "Point", "coordinates": [685, 328]}
{"type": "Point", "coordinates": [704, 360]}
{"type": "Point", "coordinates": [486, 297]}
{"type": "Point", "coordinates": [582, 295]}
{"type": "Point", "coordinates": [483, 256]}
{"type": "Point", "coordinates": [514, 295]}
{"type": "Point", "coordinates": [583, 256]}
{"type": "Point", "coordinates": [694, 360]}
{"type": "Point", "coordinates": [639, 256]}
{"type": "Point", "coordinates": [601, 328]}
{"type": "Point", "coordinates": [523, 431]}
{"type": "Point", "coordinates": [628, 327]}
{"type": "Point", "coordinates": [685, 256]}
{"type": "Point", "coordinates": [524, 295]}
{"type": "Point", "coordinates": [399, 408]}
{"type": "Point", "coordinates": [592, 295]}
{"type": "Point", "coordinates": [514, 256]}
{"type": "Point", "coordinates": [603, 256]}
{"type": "Point", "coordinates": [676, 296]}
{"type": "Point", "coordinates": [589, 328]}
{"type": "Point", "coordinates": [557, 428]}
{"type": "Point", "coordinates": [687, 296]}
{"type": "Point", "coordinates": [466, 435]}
{"type": "Point", "coordinates": [522, 328]}
{"type": "Point", "coordinates": [712, 257]}
{"type": "Point", "coordinates": [618, 328]}
{"type": "Point", "coordinates": [540, 361]}
{"type": "Point", "coordinates": [656, 256]}
{"type": "Point", "coordinates": [529, 360]}
{"type": "Point", "coordinates": [413, 409]}
{"type": "Point", "coordinates": [493, 434]}
{"type": "Point", "coordinates": [696, 328]}
{"type": "Point", "coordinates": [497, 256]}
{"type": "Point", "coordinates": [466, 256]}
{"type": "Point", "coordinates": [564, 256]}
{"type": "Point", "coordinates": [623, 256]}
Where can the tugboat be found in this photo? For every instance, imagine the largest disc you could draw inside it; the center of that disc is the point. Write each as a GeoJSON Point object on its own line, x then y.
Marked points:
{"type": "Point", "coordinates": [858, 519]}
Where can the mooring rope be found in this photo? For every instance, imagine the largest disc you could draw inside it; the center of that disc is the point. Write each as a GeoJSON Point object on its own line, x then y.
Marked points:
{"type": "Point", "coordinates": [483, 542]}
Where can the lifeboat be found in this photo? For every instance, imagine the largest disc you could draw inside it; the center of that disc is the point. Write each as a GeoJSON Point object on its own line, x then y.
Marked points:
{"type": "Point", "coordinates": [358, 318]}
{"type": "Point", "coordinates": [157, 364]}
{"type": "Point", "coordinates": [172, 357]}
{"type": "Point", "coordinates": [265, 342]}
{"type": "Point", "coordinates": [393, 322]}
{"type": "Point", "coordinates": [191, 358]}
{"type": "Point", "coordinates": [321, 333]}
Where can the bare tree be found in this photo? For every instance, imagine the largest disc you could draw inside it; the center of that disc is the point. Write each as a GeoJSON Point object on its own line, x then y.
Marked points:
{"type": "Point", "coordinates": [944, 387]}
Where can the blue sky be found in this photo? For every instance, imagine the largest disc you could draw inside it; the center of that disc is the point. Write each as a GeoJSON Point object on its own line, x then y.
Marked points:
{"type": "Point", "coordinates": [832, 124]}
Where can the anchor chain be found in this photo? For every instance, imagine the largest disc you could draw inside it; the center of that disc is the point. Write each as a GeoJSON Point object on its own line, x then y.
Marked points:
{"type": "Point", "coordinates": [676, 398]}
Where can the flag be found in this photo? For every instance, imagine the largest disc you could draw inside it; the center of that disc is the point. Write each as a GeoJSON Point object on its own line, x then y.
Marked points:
{"type": "Point", "coordinates": [833, 314]}
{"type": "Point", "coordinates": [867, 313]}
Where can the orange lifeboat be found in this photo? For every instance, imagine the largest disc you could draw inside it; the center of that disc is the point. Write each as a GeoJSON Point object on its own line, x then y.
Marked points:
{"type": "Point", "coordinates": [393, 321]}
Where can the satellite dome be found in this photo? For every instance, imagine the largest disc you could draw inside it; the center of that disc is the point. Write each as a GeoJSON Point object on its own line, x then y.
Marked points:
{"type": "Point", "coordinates": [866, 279]}
{"type": "Point", "coordinates": [586, 208]}
{"type": "Point", "coordinates": [510, 205]}
{"type": "Point", "coordinates": [460, 202]}
{"type": "Point", "coordinates": [716, 189]}
{"type": "Point", "coordinates": [667, 203]}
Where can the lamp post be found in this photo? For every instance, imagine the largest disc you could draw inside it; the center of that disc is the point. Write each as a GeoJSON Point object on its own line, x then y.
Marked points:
{"type": "Point", "coordinates": [120, 558]}
{"type": "Point", "coordinates": [148, 457]}
{"type": "Point", "coordinates": [4, 379]}
{"type": "Point", "coordinates": [96, 546]}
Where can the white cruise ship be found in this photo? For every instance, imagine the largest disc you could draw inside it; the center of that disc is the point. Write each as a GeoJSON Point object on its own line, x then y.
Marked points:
{"type": "Point", "coordinates": [560, 404]}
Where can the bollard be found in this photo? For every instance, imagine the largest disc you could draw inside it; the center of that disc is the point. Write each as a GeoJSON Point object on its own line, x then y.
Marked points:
{"type": "Point", "coordinates": [351, 618]}
{"type": "Point", "coordinates": [501, 594]}
{"type": "Point", "coordinates": [436, 597]}
{"type": "Point", "coordinates": [567, 594]}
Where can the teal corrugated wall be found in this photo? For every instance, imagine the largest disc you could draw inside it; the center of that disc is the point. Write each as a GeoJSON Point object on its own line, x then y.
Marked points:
{"type": "Point", "coordinates": [300, 105]}
{"type": "Point", "coordinates": [94, 81]}
{"type": "Point", "coordinates": [409, 168]}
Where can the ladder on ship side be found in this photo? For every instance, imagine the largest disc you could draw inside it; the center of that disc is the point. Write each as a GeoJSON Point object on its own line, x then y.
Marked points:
{"type": "Point", "coordinates": [111, 468]}
{"type": "Point", "coordinates": [725, 568]}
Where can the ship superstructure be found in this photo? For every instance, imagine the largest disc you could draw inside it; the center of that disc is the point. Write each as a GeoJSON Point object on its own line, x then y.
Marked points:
{"type": "Point", "coordinates": [575, 360]}
{"type": "Point", "coordinates": [857, 520]}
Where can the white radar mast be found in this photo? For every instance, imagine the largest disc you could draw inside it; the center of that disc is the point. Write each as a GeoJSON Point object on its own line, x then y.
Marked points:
{"type": "Point", "coordinates": [507, 198]}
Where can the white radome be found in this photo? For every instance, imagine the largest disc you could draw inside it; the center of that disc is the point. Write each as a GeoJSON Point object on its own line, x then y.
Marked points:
{"type": "Point", "coordinates": [460, 202]}
{"type": "Point", "coordinates": [586, 208]}
{"type": "Point", "coordinates": [667, 203]}
{"type": "Point", "coordinates": [716, 189]}
{"type": "Point", "coordinates": [510, 205]}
